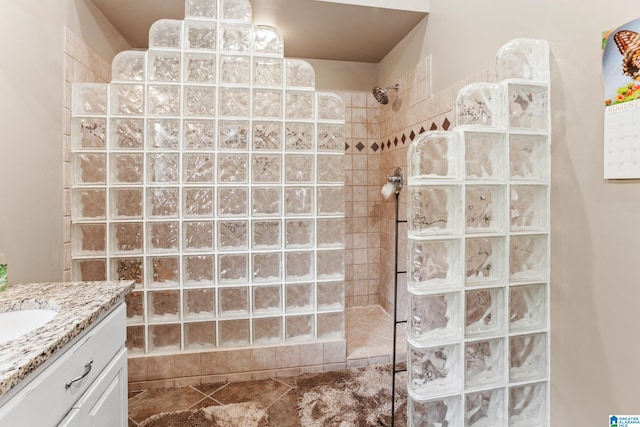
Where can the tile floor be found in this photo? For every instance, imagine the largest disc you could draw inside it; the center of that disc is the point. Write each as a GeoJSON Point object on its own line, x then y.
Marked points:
{"type": "Point", "coordinates": [369, 333]}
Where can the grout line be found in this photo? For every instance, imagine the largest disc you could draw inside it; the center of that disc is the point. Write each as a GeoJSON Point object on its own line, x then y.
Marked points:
{"type": "Point", "coordinates": [281, 396]}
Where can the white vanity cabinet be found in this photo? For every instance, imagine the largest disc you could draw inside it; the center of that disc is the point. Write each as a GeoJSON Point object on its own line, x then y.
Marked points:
{"type": "Point", "coordinates": [85, 386]}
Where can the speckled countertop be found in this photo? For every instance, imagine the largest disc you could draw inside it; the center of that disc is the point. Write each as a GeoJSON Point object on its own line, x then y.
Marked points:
{"type": "Point", "coordinates": [78, 304]}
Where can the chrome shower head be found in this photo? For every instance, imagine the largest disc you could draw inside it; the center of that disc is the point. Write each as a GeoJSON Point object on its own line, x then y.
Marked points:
{"type": "Point", "coordinates": [381, 94]}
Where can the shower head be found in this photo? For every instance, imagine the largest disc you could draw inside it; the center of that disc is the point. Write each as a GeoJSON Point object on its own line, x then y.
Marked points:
{"type": "Point", "coordinates": [381, 94]}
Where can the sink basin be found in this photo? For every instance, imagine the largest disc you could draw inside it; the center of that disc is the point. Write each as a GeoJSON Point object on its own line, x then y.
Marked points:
{"type": "Point", "coordinates": [14, 324]}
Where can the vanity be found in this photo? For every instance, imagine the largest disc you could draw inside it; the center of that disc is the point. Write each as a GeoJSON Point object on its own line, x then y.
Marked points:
{"type": "Point", "coordinates": [72, 369]}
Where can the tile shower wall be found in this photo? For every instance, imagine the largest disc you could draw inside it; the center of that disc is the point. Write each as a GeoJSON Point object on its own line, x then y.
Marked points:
{"type": "Point", "coordinates": [229, 215]}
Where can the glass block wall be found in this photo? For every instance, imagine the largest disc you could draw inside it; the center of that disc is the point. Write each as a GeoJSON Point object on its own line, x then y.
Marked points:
{"type": "Point", "coordinates": [211, 172]}
{"type": "Point", "coordinates": [478, 231]}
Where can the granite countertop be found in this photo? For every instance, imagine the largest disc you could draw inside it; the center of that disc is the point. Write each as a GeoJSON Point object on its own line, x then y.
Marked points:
{"type": "Point", "coordinates": [78, 304]}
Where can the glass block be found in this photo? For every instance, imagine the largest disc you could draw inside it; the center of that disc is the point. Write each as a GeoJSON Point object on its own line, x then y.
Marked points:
{"type": "Point", "coordinates": [127, 168]}
{"type": "Point", "coordinates": [267, 40]}
{"type": "Point", "coordinates": [528, 307]}
{"type": "Point", "coordinates": [232, 235]}
{"type": "Point", "coordinates": [163, 100]}
{"type": "Point", "coordinates": [434, 154]}
{"type": "Point", "coordinates": [200, 34]}
{"type": "Point", "coordinates": [126, 203]}
{"type": "Point", "coordinates": [128, 66]}
{"type": "Point", "coordinates": [198, 168]}
{"type": "Point", "coordinates": [130, 269]}
{"type": "Point", "coordinates": [267, 267]}
{"type": "Point", "coordinates": [485, 311]}
{"type": "Point", "coordinates": [267, 103]}
{"type": "Point", "coordinates": [199, 135]}
{"type": "Point", "coordinates": [528, 258]}
{"type": "Point", "coordinates": [199, 101]}
{"type": "Point", "coordinates": [199, 67]}
{"type": "Point", "coordinates": [234, 102]}
{"type": "Point", "coordinates": [266, 201]}
{"type": "Point", "coordinates": [485, 408]}
{"type": "Point", "coordinates": [331, 325]}
{"type": "Point", "coordinates": [235, 38]}
{"type": "Point", "coordinates": [481, 104]}
{"type": "Point", "coordinates": [89, 98]}
{"type": "Point", "coordinates": [438, 412]}
{"type": "Point", "coordinates": [300, 328]}
{"type": "Point", "coordinates": [434, 371]}
{"type": "Point", "coordinates": [267, 71]}
{"type": "Point", "coordinates": [89, 168]}
{"type": "Point", "coordinates": [163, 306]}
{"type": "Point", "coordinates": [300, 74]}
{"type": "Point", "coordinates": [234, 135]}
{"type": "Point", "coordinates": [200, 8]}
{"type": "Point", "coordinates": [330, 200]}
{"type": "Point", "coordinates": [197, 236]}
{"type": "Point", "coordinates": [163, 134]}
{"type": "Point", "coordinates": [235, 10]}
{"type": "Point", "coordinates": [232, 201]}
{"type": "Point", "coordinates": [529, 208]}
{"type": "Point", "coordinates": [331, 264]}
{"type": "Point", "coordinates": [198, 202]}
{"type": "Point", "coordinates": [528, 107]}
{"type": "Point", "coordinates": [163, 237]}
{"type": "Point", "coordinates": [135, 307]}
{"type": "Point", "coordinates": [234, 333]}
{"type": "Point", "coordinates": [233, 301]}
{"type": "Point", "coordinates": [299, 233]}
{"type": "Point", "coordinates": [484, 363]}
{"type": "Point", "coordinates": [135, 340]}
{"type": "Point", "coordinates": [89, 239]}
{"type": "Point", "coordinates": [434, 264]}
{"type": "Point", "coordinates": [434, 318]}
{"type": "Point", "coordinates": [485, 155]}
{"type": "Point", "coordinates": [527, 357]}
{"type": "Point", "coordinates": [299, 168]}
{"type": "Point", "coordinates": [164, 338]}
{"type": "Point", "coordinates": [166, 33]}
{"type": "Point", "coordinates": [330, 168]}
{"type": "Point", "coordinates": [267, 299]}
{"type": "Point", "coordinates": [485, 209]}
{"type": "Point", "coordinates": [529, 157]}
{"type": "Point", "coordinates": [127, 134]}
{"type": "Point", "coordinates": [267, 234]}
{"type": "Point", "coordinates": [434, 210]}
{"type": "Point", "coordinates": [233, 168]}
{"type": "Point", "coordinates": [298, 200]}
{"type": "Point", "coordinates": [88, 132]}
{"type": "Point", "coordinates": [88, 204]}
{"type": "Point", "coordinates": [266, 168]}
{"type": "Point", "coordinates": [528, 405]}
{"type": "Point", "coordinates": [299, 105]}
{"type": "Point", "coordinates": [199, 303]}
{"type": "Point", "coordinates": [127, 99]}
{"type": "Point", "coordinates": [163, 66]}
{"type": "Point", "coordinates": [330, 106]}
{"type": "Point", "coordinates": [199, 335]}
{"type": "Point", "coordinates": [526, 59]}
{"type": "Point", "coordinates": [89, 270]}
{"type": "Point", "coordinates": [163, 202]}
{"type": "Point", "coordinates": [126, 237]}
{"type": "Point", "coordinates": [485, 260]}
{"type": "Point", "coordinates": [235, 69]}
{"type": "Point", "coordinates": [331, 295]}
{"type": "Point", "coordinates": [267, 330]}
{"type": "Point", "coordinates": [232, 268]}
{"type": "Point", "coordinates": [198, 270]}
{"type": "Point", "coordinates": [267, 136]}
{"type": "Point", "coordinates": [331, 232]}
{"type": "Point", "coordinates": [299, 266]}
{"type": "Point", "coordinates": [299, 136]}
{"type": "Point", "coordinates": [331, 137]}
{"type": "Point", "coordinates": [163, 168]}
{"type": "Point", "coordinates": [163, 271]}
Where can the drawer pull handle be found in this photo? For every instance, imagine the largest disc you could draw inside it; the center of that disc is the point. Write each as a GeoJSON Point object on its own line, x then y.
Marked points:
{"type": "Point", "coordinates": [87, 369]}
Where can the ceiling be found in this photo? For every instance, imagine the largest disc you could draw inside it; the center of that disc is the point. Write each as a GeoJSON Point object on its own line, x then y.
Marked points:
{"type": "Point", "coordinates": [310, 29]}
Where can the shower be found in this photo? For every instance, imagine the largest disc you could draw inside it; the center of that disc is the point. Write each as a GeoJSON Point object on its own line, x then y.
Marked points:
{"type": "Point", "coordinates": [381, 95]}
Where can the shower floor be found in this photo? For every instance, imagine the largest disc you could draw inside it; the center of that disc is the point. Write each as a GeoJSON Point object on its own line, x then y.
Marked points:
{"type": "Point", "coordinates": [369, 333]}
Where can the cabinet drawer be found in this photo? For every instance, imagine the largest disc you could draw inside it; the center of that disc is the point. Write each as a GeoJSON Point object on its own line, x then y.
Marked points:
{"type": "Point", "coordinates": [49, 391]}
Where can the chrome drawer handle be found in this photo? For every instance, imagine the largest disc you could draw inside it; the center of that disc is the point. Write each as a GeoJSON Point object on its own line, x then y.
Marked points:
{"type": "Point", "coordinates": [87, 369]}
